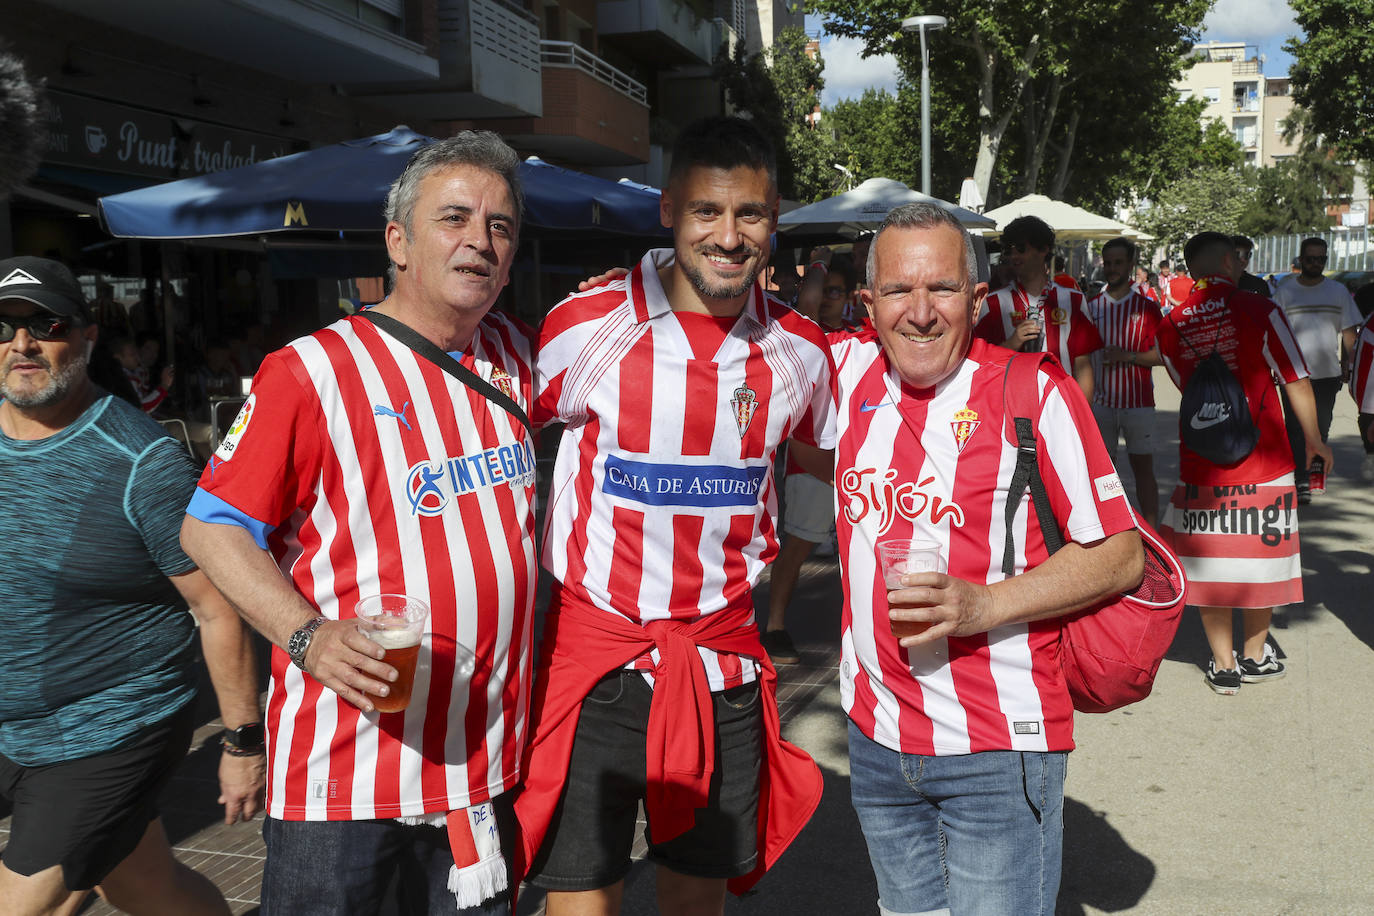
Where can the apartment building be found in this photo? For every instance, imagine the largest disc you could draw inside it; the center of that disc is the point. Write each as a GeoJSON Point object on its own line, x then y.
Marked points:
{"type": "Point", "coordinates": [1229, 76]}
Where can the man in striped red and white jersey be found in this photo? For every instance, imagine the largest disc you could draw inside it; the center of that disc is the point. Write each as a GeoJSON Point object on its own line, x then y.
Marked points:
{"type": "Point", "coordinates": [677, 383]}
{"type": "Point", "coordinates": [1034, 313]}
{"type": "Point", "coordinates": [1235, 526]}
{"type": "Point", "coordinates": [955, 676]}
{"type": "Point", "coordinates": [1362, 390]}
{"type": "Point", "coordinates": [359, 467]}
{"type": "Point", "coordinates": [1123, 390]}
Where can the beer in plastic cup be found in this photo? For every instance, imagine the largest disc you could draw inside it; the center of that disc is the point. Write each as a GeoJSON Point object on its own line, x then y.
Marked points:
{"type": "Point", "coordinates": [898, 557]}
{"type": "Point", "coordinates": [397, 624]}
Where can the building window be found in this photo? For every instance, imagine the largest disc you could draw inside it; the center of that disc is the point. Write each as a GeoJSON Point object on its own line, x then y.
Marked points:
{"type": "Point", "coordinates": [1212, 94]}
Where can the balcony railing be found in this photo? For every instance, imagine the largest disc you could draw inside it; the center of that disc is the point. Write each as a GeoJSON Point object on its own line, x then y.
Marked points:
{"type": "Point", "coordinates": [1245, 66]}
{"type": "Point", "coordinates": [568, 54]}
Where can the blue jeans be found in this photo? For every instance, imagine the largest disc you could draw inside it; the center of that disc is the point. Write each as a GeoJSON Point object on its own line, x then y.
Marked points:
{"type": "Point", "coordinates": [970, 835]}
{"type": "Point", "coordinates": [335, 867]}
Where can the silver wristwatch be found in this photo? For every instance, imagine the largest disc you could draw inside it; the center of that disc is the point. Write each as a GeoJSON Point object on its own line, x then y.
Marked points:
{"type": "Point", "coordinates": [300, 640]}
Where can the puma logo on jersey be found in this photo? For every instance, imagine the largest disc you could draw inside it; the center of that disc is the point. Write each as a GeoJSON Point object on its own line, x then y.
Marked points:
{"type": "Point", "coordinates": [1210, 414]}
{"type": "Point", "coordinates": [379, 410]}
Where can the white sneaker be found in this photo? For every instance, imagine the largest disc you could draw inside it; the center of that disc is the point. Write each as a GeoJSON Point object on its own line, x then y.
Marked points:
{"type": "Point", "coordinates": [1367, 469]}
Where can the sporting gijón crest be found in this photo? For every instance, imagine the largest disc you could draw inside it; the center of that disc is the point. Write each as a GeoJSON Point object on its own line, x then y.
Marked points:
{"type": "Point", "coordinates": [501, 379]}
{"type": "Point", "coordinates": [964, 425]}
{"type": "Point", "coordinates": [744, 401]}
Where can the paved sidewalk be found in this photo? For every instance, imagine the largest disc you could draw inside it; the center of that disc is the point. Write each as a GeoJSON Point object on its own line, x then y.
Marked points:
{"type": "Point", "coordinates": [1186, 803]}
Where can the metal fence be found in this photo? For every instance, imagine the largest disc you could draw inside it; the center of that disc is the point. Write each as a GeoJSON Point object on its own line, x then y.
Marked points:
{"type": "Point", "coordinates": [1346, 249]}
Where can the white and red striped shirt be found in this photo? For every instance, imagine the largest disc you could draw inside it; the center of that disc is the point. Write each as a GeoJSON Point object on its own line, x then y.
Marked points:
{"type": "Point", "coordinates": [1253, 336]}
{"type": "Point", "coordinates": [663, 503]}
{"type": "Point", "coordinates": [1068, 333]}
{"type": "Point", "coordinates": [935, 465]}
{"type": "Point", "coordinates": [1362, 369]}
{"type": "Point", "coordinates": [1128, 323]}
{"type": "Point", "coordinates": [366, 469]}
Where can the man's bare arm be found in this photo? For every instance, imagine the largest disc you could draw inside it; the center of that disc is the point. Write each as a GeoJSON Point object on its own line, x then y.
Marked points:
{"type": "Point", "coordinates": [339, 657]}
{"type": "Point", "coordinates": [228, 650]}
{"type": "Point", "coordinates": [1075, 577]}
{"type": "Point", "coordinates": [1304, 405]}
{"type": "Point", "coordinates": [817, 462]}
{"type": "Point", "coordinates": [1083, 374]}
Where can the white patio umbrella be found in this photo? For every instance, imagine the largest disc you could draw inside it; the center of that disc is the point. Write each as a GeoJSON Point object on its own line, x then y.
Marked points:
{"type": "Point", "coordinates": [846, 215]}
{"type": "Point", "coordinates": [1068, 222]}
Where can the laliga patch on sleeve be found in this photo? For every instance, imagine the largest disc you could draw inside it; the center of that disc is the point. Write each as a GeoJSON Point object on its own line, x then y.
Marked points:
{"type": "Point", "coordinates": [1109, 487]}
{"type": "Point", "coordinates": [236, 430]}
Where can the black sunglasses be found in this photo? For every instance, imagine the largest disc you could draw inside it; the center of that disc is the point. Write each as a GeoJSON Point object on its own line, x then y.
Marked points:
{"type": "Point", "coordinates": [40, 327]}
{"type": "Point", "coordinates": [1315, 258]}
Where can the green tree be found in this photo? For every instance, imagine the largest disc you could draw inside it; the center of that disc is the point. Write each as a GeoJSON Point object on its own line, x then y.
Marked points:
{"type": "Point", "coordinates": [1066, 68]}
{"type": "Point", "coordinates": [1291, 195]}
{"type": "Point", "coordinates": [780, 90]}
{"type": "Point", "coordinates": [1208, 198]}
{"type": "Point", "coordinates": [1332, 67]}
{"type": "Point", "coordinates": [872, 139]}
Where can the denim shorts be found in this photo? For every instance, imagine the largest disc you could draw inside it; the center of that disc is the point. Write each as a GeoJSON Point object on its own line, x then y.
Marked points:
{"type": "Point", "coordinates": [966, 834]}
{"type": "Point", "coordinates": [329, 868]}
{"type": "Point", "coordinates": [589, 842]}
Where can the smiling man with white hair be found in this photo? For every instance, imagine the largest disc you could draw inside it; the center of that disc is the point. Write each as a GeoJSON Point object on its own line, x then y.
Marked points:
{"type": "Point", "coordinates": [960, 722]}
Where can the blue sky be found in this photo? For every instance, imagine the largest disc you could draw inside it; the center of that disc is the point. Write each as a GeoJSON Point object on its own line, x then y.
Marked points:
{"type": "Point", "coordinates": [1266, 23]}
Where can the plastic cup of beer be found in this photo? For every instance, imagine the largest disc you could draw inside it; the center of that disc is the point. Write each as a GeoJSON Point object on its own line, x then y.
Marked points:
{"type": "Point", "coordinates": [397, 624]}
{"type": "Point", "coordinates": [898, 557]}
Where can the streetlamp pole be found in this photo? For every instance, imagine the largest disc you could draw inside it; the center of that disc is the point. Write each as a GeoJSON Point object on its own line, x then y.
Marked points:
{"type": "Point", "coordinates": [921, 24]}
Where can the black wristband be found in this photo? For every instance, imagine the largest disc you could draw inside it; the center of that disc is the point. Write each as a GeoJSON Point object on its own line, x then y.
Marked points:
{"type": "Point", "coordinates": [233, 750]}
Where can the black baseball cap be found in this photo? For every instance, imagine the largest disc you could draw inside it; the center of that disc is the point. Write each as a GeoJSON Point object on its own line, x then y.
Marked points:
{"type": "Point", "coordinates": [47, 284]}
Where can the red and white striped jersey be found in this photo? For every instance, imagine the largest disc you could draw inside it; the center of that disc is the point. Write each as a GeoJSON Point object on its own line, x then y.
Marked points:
{"type": "Point", "coordinates": [1252, 335]}
{"type": "Point", "coordinates": [367, 469]}
{"type": "Point", "coordinates": [663, 502]}
{"type": "Point", "coordinates": [1068, 332]}
{"type": "Point", "coordinates": [936, 465]}
{"type": "Point", "coordinates": [1362, 369]}
{"type": "Point", "coordinates": [1128, 323]}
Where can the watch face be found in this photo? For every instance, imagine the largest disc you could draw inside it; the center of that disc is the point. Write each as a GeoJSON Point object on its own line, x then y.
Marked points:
{"type": "Point", "coordinates": [246, 735]}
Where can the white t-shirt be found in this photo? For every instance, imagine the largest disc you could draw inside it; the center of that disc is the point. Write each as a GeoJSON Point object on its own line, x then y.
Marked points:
{"type": "Point", "coordinates": [1318, 315]}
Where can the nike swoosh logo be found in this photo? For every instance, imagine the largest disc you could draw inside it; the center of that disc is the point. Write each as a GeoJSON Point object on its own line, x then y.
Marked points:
{"type": "Point", "coordinates": [1197, 423]}
{"type": "Point", "coordinates": [866, 407]}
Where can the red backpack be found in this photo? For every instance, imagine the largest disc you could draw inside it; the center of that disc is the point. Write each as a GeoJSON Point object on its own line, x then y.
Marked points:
{"type": "Point", "coordinates": [1109, 652]}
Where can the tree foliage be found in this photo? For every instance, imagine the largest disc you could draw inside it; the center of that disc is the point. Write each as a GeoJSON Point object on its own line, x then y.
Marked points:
{"type": "Point", "coordinates": [1290, 196]}
{"type": "Point", "coordinates": [874, 138]}
{"type": "Point", "coordinates": [780, 90]}
{"type": "Point", "coordinates": [1331, 72]}
{"type": "Point", "coordinates": [1205, 199]}
{"type": "Point", "coordinates": [1041, 98]}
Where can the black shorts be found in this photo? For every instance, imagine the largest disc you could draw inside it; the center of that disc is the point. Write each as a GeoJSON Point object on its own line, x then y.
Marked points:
{"type": "Point", "coordinates": [88, 814]}
{"type": "Point", "coordinates": [589, 842]}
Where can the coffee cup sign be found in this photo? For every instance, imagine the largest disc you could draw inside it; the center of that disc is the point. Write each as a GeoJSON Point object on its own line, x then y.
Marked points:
{"type": "Point", "coordinates": [95, 138]}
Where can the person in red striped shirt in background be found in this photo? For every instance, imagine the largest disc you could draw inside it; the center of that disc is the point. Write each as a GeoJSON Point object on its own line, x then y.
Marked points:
{"type": "Point", "coordinates": [1123, 391]}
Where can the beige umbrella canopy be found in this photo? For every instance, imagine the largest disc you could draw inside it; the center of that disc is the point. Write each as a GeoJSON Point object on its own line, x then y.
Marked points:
{"type": "Point", "coordinates": [1069, 223]}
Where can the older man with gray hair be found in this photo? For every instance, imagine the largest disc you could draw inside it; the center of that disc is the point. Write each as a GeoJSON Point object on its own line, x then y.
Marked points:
{"type": "Point", "coordinates": [960, 722]}
{"type": "Point", "coordinates": [389, 453]}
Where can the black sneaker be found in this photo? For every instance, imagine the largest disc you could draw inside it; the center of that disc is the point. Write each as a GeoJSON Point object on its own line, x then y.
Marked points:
{"type": "Point", "coordinates": [1225, 682]}
{"type": "Point", "coordinates": [780, 648]}
{"type": "Point", "coordinates": [1267, 668]}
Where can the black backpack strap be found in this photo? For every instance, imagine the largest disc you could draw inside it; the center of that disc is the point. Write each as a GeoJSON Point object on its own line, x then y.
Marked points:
{"type": "Point", "coordinates": [1021, 390]}
{"type": "Point", "coordinates": [412, 339]}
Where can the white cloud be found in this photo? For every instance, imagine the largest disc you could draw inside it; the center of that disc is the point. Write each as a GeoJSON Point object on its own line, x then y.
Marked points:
{"type": "Point", "coordinates": [1250, 20]}
{"type": "Point", "coordinates": [848, 74]}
